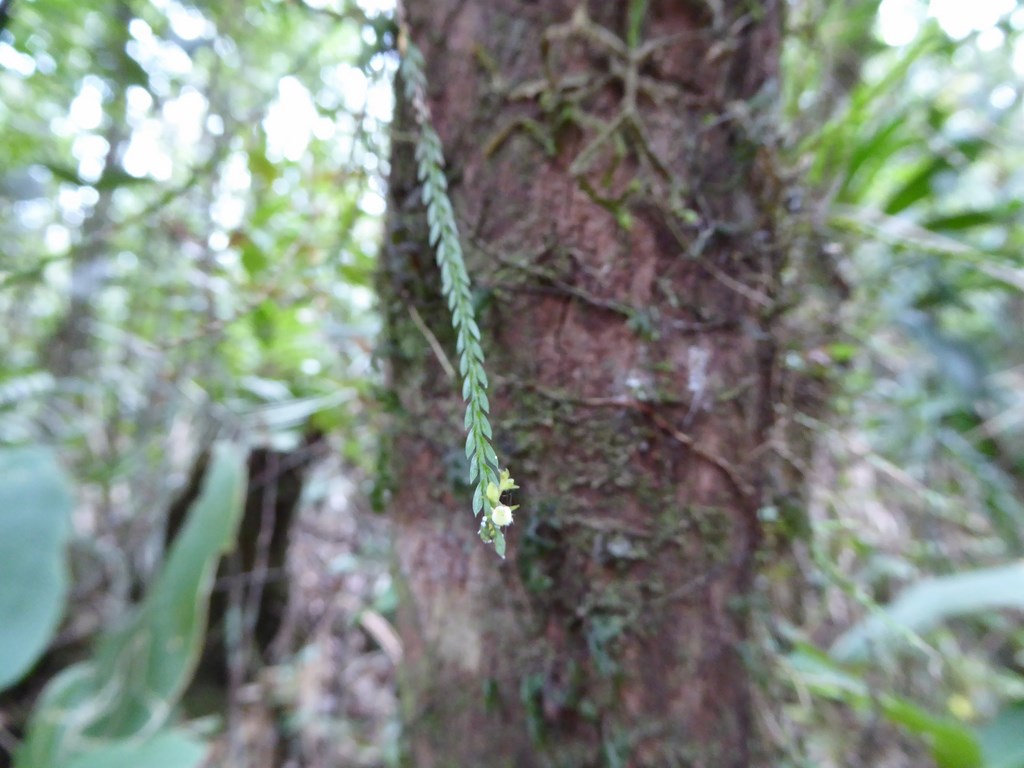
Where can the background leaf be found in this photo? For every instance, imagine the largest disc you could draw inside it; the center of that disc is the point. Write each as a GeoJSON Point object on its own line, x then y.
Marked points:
{"type": "Point", "coordinates": [952, 744]}
{"type": "Point", "coordinates": [1002, 740]}
{"type": "Point", "coordinates": [925, 605]}
{"type": "Point", "coordinates": [169, 749]}
{"type": "Point", "coordinates": [140, 670]}
{"type": "Point", "coordinates": [35, 513]}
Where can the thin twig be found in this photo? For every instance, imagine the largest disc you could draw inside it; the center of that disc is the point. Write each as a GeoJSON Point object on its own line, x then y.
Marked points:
{"type": "Point", "coordinates": [435, 345]}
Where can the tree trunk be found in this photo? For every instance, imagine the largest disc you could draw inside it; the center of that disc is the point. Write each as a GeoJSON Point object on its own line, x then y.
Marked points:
{"type": "Point", "coordinates": [620, 211]}
{"type": "Point", "coordinates": [68, 351]}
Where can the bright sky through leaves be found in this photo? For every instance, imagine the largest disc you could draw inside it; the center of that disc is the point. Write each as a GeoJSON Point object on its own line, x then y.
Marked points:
{"type": "Point", "coordinates": [899, 20]}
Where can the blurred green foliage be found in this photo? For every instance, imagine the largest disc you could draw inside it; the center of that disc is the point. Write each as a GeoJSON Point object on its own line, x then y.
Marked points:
{"type": "Point", "coordinates": [191, 197]}
{"type": "Point", "coordinates": [117, 705]}
{"type": "Point", "coordinates": [914, 147]}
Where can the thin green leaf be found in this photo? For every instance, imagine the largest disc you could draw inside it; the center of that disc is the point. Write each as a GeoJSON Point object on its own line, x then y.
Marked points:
{"type": "Point", "coordinates": [931, 602]}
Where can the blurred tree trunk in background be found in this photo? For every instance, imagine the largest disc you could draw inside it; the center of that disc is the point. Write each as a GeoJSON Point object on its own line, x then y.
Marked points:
{"type": "Point", "coordinates": [623, 220]}
{"type": "Point", "coordinates": [68, 350]}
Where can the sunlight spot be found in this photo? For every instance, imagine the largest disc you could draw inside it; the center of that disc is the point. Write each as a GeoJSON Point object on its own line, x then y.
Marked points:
{"type": "Point", "coordinates": [380, 101]}
{"type": "Point", "coordinates": [90, 150]}
{"type": "Point", "coordinates": [71, 201]}
{"type": "Point", "coordinates": [372, 203]}
{"type": "Point", "coordinates": [45, 63]}
{"type": "Point", "coordinates": [185, 116]}
{"type": "Point", "coordinates": [218, 240]}
{"type": "Point", "coordinates": [189, 23]}
{"type": "Point", "coordinates": [57, 238]}
{"type": "Point", "coordinates": [990, 39]}
{"type": "Point", "coordinates": [33, 214]}
{"type": "Point", "coordinates": [1002, 96]}
{"type": "Point", "coordinates": [281, 186]}
{"type": "Point", "coordinates": [140, 30]}
{"type": "Point", "coordinates": [16, 61]}
{"type": "Point", "coordinates": [86, 110]}
{"type": "Point", "coordinates": [236, 176]}
{"type": "Point", "coordinates": [155, 55]}
{"type": "Point", "coordinates": [324, 128]}
{"type": "Point", "coordinates": [228, 211]}
{"type": "Point", "coordinates": [373, 7]}
{"type": "Point", "coordinates": [139, 103]}
{"type": "Point", "coordinates": [289, 121]}
{"type": "Point", "coordinates": [348, 81]}
{"type": "Point", "coordinates": [898, 21]}
{"type": "Point", "coordinates": [145, 155]}
{"type": "Point", "coordinates": [959, 18]}
{"type": "Point", "coordinates": [215, 124]}
{"type": "Point", "coordinates": [1018, 57]}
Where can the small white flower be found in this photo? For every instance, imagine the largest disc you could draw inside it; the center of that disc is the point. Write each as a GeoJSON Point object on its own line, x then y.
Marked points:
{"type": "Point", "coordinates": [501, 515]}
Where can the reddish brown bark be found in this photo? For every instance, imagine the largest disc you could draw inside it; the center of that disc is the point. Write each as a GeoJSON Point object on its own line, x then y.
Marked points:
{"type": "Point", "coordinates": [631, 289]}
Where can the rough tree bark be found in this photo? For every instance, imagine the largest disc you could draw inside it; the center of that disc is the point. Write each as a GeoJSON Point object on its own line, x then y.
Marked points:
{"type": "Point", "coordinates": [612, 169]}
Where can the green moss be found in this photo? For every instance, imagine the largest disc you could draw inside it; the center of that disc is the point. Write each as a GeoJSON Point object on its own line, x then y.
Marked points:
{"type": "Point", "coordinates": [714, 526]}
{"type": "Point", "coordinates": [540, 546]}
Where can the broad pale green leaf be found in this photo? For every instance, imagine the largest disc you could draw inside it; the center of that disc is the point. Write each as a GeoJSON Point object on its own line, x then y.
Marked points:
{"type": "Point", "coordinates": [64, 709]}
{"type": "Point", "coordinates": [904, 234]}
{"type": "Point", "coordinates": [140, 669]}
{"type": "Point", "coordinates": [1001, 740]}
{"type": "Point", "coordinates": [293, 413]}
{"type": "Point", "coordinates": [931, 602]}
{"type": "Point", "coordinates": [168, 749]}
{"type": "Point", "coordinates": [35, 523]}
{"type": "Point", "coordinates": [155, 655]}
